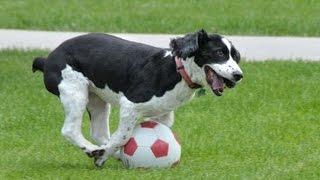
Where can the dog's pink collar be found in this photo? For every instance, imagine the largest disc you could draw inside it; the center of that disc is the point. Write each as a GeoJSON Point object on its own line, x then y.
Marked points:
{"type": "Point", "coordinates": [184, 74]}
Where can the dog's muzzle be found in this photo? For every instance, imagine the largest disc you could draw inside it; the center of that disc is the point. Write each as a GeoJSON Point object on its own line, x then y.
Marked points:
{"type": "Point", "coordinates": [218, 83]}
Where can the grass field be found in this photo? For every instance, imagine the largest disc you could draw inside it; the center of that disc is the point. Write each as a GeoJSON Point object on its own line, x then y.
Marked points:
{"type": "Point", "coordinates": [252, 17]}
{"type": "Point", "coordinates": [267, 127]}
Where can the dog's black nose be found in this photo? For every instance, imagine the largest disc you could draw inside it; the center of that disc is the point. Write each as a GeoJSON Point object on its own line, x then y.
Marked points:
{"type": "Point", "coordinates": [237, 76]}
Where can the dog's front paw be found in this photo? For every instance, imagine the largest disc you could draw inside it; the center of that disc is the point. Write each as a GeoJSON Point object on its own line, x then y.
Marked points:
{"type": "Point", "coordinates": [98, 153]}
{"type": "Point", "coordinates": [95, 153]}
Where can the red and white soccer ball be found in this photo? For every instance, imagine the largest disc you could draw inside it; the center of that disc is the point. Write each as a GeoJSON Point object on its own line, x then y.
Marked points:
{"type": "Point", "coordinates": [152, 145]}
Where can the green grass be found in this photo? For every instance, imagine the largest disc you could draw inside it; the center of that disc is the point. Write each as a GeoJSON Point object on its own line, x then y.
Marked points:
{"type": "Point", "coordinates": [267, 127]}
{"type": "Point", "coordinates": [249, 17]}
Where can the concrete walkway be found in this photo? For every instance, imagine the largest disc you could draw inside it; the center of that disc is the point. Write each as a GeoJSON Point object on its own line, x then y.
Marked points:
{"type": "Point", "coordinates": [254, 48]}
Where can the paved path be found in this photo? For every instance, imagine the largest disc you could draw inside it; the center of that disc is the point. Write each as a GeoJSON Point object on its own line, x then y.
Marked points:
{"type": "Point", "coordinates": [251, 47]}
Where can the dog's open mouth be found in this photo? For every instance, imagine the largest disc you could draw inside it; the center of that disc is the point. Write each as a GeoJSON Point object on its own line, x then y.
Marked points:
{"type": "Point", "coordinates": [216, 82]}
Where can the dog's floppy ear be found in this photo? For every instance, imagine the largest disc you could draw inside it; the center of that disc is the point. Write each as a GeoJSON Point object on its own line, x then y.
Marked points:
{"type": "Point", "coordinates": [186, 46]}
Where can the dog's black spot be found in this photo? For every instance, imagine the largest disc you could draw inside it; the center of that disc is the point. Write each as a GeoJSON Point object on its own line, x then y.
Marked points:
{"type": "Point", "coordinates": [235, 54]}
{"type": "Point", "coordinates": [97, 153]}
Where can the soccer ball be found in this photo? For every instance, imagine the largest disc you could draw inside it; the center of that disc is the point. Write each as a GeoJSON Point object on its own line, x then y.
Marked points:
{"type": "Point", "coordinates": [152, 145]}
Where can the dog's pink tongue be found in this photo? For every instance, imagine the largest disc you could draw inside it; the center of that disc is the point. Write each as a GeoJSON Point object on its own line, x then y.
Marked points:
{"type": "Point", "coordinates": [217, 83]}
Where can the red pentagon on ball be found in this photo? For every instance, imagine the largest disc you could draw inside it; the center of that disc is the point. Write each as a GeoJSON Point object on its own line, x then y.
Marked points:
{"type": "Point", "coordinates": [130, 147]}
{"type": "Point", "coordinates": [148, 124]}
{"type": "Point", "coordinates": [160, 148]}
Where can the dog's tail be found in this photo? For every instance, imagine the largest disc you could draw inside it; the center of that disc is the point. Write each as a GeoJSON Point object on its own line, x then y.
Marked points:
{"type": "Point", "coordinates": [38, 64]}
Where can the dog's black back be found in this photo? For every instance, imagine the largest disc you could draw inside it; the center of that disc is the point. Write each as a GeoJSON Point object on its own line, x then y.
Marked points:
{"type": "Point", "coordinates": [137, 70]}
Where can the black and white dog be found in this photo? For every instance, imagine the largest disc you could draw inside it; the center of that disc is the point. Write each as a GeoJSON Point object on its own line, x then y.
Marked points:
{"type": "Point", "coordinates": [93, 71]}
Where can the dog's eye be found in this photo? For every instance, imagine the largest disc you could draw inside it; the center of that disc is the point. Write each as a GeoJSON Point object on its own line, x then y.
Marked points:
{"type": "Point", "coordinates": [220, 53]}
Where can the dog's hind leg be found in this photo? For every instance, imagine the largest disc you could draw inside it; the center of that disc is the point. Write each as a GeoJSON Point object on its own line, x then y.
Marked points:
{"type": "Point", "coordinates": [74, 98]}
{"type": "Point", "coordinates": [99, 112]}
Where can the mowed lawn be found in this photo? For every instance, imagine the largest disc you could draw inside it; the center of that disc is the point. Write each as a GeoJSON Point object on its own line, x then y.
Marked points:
{"type": "Point", "coordinates": [251, 17]}
{"type": "Point", "coordinates": [267, 127]}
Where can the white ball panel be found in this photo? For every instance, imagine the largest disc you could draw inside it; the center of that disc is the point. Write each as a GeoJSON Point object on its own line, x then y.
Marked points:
{"type": "Point", "coordinates": [144, 137]}
{"type": "Point", "coordinates": [163, 162]}
{"type": "Point", "coordinates": [143, 157]}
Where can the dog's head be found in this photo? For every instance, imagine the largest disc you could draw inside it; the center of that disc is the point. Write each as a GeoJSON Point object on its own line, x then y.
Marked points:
{"type": "Point", "coordinates": [215, 56]}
